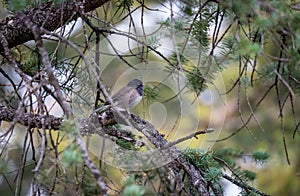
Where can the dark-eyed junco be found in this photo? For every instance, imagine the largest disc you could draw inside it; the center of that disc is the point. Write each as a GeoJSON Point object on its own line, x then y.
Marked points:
{"type": "Point", "coordinates": [130, 95]}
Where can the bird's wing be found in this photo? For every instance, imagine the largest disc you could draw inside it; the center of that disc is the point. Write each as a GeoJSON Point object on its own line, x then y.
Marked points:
{"type": "Point", "coordinates": [122, 96]}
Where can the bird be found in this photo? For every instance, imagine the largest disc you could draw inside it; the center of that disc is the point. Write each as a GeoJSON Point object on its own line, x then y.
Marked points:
{"type": "Point", "coordinates": [123, 100]}
{"type": "Point", "coordinates": [130, 95]}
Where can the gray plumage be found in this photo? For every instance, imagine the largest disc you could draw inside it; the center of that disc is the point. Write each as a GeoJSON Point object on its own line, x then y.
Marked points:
{"type": "Point", "coordinates": [130, 95]}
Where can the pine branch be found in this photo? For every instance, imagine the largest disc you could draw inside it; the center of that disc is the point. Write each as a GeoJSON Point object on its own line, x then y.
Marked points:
{"type": "Point", "coordinates": [180, 161]}
{"type": "Point", "coordinates": [152, 134]}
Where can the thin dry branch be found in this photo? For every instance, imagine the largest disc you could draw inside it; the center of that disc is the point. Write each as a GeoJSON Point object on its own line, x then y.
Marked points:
{"type": "Point", "coordinates": [241, 184]}
{"type": "Point", "coordinates": [188, 137]}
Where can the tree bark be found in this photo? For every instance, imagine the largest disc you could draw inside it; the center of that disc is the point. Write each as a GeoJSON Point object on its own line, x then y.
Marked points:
{"type": "Point", "coordinates": [49, 15]}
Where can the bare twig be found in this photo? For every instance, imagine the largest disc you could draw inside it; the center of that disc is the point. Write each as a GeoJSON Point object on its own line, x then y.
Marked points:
{"type": "Point", "coordinates": [170, 144]}
{"type": "Point", "coordinates": [285, 83]}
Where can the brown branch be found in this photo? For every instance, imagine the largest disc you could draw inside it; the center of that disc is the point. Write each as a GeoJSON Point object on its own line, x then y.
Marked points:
{"type": "Point", "coordinates": [170, 144]}
{"type": "Point", "coordinates": [47, 15]}
{"type": "Point", "coordinates": [88, 162]}
{"type": "Point", "coordinates": [30, 120]}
